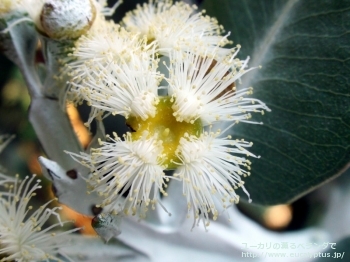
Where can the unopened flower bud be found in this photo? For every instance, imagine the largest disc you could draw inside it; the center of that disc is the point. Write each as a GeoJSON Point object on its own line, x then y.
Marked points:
{"type": "Point", "coordinates": [67, 19]}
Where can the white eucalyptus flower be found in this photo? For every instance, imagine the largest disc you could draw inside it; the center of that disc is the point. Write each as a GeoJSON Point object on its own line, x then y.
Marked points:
{"type": "Point", "coordinates": [23, 236]}
{"type": "Point", "coordinates": [211, 167]}
{"type": "Point", "coordinates": [103, 8]}
{"type": "Point", "coordinates": [204, 89]}
{"type": "Point", "coordinates": [172, 135]}
{"type": "Point", "coordinates": [168, 132]}
{"type": "Point", "coordinates": [176, 26]}
{"type": "Point", "coordinates": [114, 71]}
{"type": "Point", "coordinates": [128, 87]}
{"type": "Point", "coordinates": [132, 167]}
{"type": "Point", "coordinates": [103, 45]}
{"type": "Point", "coordinates": [5, 179]}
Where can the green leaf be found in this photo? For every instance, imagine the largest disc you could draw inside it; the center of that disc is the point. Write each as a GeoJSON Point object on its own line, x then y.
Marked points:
{"type": "Point", "coordinates": [304, 48]}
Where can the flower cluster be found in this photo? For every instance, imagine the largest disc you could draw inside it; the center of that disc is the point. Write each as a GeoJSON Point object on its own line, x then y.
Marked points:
{"type": "Point", "coordinates": [22, 233]}
{"type": "Point", "coordinates": [23, 236]}
{"type": "Point", "coordinates": [166, 70]}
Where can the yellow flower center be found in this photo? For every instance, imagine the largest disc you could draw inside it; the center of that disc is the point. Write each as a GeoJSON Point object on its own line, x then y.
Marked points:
{"type": "Point", "coordinates": [167, 129]}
